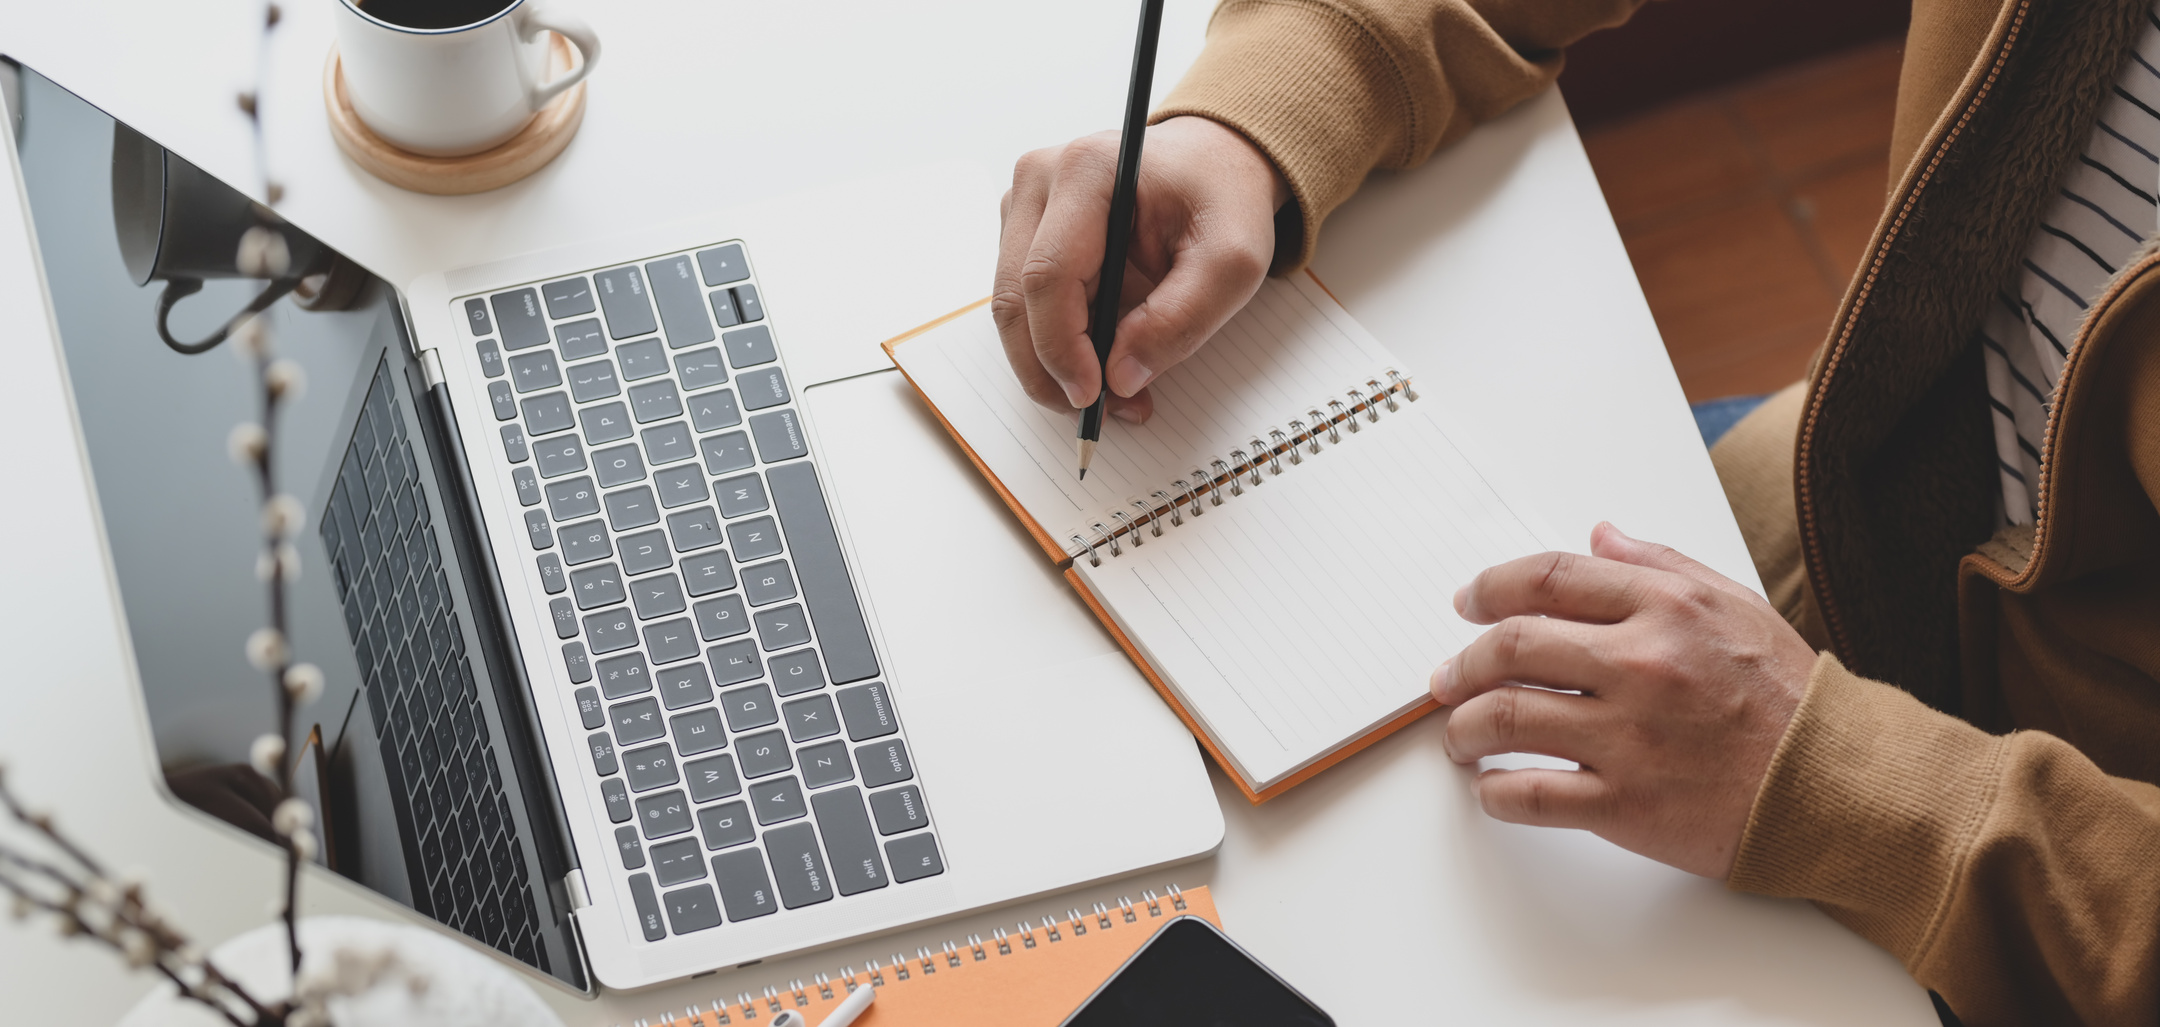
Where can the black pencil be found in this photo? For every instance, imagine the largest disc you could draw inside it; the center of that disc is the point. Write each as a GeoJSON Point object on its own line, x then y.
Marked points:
{"type": "Point", "coordinates": [1103, 315]}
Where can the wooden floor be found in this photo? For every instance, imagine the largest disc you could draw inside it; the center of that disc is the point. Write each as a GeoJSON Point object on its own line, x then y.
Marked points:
{"type": "Point", "coordinates": [1745, 211]}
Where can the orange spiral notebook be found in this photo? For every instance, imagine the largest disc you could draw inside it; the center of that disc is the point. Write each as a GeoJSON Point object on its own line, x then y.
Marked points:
{"type": "Point", "coordinates": [1277, 549]}
{"type": "Point", "coordinates": [1036, 975]}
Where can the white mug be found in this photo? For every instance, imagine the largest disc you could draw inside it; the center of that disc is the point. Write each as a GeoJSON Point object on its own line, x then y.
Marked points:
{"type": "Point", "coordinates": [444, 92]}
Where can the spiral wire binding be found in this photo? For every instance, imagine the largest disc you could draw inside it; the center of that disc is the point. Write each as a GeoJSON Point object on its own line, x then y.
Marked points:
{"type": "Point", "coordinates": [1230, 475]}
{"type": "Point", "coordinates": [772, 1001]}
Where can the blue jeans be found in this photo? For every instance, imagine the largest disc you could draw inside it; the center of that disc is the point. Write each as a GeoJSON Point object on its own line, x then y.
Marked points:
{"type": "Point", "coordinates": [1715, 417]}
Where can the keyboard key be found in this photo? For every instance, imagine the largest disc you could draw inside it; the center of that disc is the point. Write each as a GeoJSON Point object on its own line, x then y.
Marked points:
{"type": "Point", "coordinates": [712, 411]}
{"type": "Point", "coordinates": [648, 907]}
{"type": "Point", "coordinates": [565, 618]}
{"type": "Point", "coordinates": [779, 436]}
{"type": "Point", "coordinates": [668, 443]}
{"type": "Point", "coordinates": [531, 371]}
{"type": "Point", "coordinates": [753, 539]}
{"type": "Point", "coordinates": [624, 675]}
{"type": "Point", "coordinates": [797, 672]}
{"type": "Point", "coordinates": [632, 508]}
{"type": "Point", "coordinates": [697, 731]}
{"type": "Point", "coordinates": [856, 865]}
{"type": "Point", "coordinates": [476, 314]}
{"type": "Point", "coordinates": [527, 484]}
{"type": "Point", "coordinates": [628, 846]}
{"type": "Point", "coordinates": [592, 381]}
{"type": "Point", "coordinates": [884, 763]}
{"type": "Point", "coordinates": [822, 573]}
{"type": "Point", "coordinates": [664, 815]}
{"type": "Point", "coordinates": [798, 865]}
{"type": "Point", "coordinates": [750, 346]}
{"type": "Point", "coordinates": [721, 618]}
{"type": "Point", "coordinates": [618, 465]}
{"type": "Point", "coordinates": [573, 497]}
{"type": "Point", "coordinates": [595, 587]}
{"type": "Point", "coordinates": [764, 387]}
{"type": "Point", "coordinates": [914, 857]}
{"type": "Point", "coordinates": [584, 542]}
{"type": "Point", "coordinates": [608, 422]}
{"type": "Point", "coordinates": [768, 583]}
{"type": "Point", "coordinates": [547, 412]}
{"type": "Point", "coordinates": [734, 663]}
{"type": "Point", "coordinates": [675, 290]}
{"type": "Point", "coordinates": [678, 862]}
{"type": "Point", "coordinates": [649, 768]}
{"type": "Point", "coordinates": [581, 339]}
{"type": "Point", "coordinates": [729, 452]}
{"type": "Point", "coordinates": [622, 300]}
{"type": "Point", "coordinates": [568, 298]}
{"type": "Point", "coordinates": [700, 368]}
{"type": "Point", "coordinates": [580, 667]}
{"type": "Point", "coordinates": [635, 721]}
{"type": "Point", "coordinates": [680, 486]}
{"type": "Point", "coordinates": [491, 363]}
{"type": "Point", "coordinates": [707, 573]}
{"type": "Point", "coordinates": [504, 402]}
{"type": "Point", "coordinates": [723, 308]}
{"type": "Point", "coordinates": [899, 810]}
{"type": "Point", "coordinates": [603, 754]}
{"type": "Point", "coordinates": [778, 801]}
{"type": "Point", "coordinates": [743, 886]}
{"type": "Point", "coordinates": [671, 640]}
{"type": "Point", "coordinates": [558, 456]}
{"type": "Point", "coordinates": [655, 401]}
{"type": "Point", "coordinates": [721, 265]}
{"type": "Point", "coordinates": [726, 824]}
{"type": "Point", "coordinates": [519, 315]}
{"type": "Point", "coordinates": [781, 627]}
{"type": "Point", "coordinates": [868, 711]}
{"type": "Point", "coordinates": [612, 630]}
{"type": "Point", "coordinates": [657, 596]}
{"type": "Point", "coordinates": [712, 779]}
{"type": "Point", "coordinates": [749, 708]}
{"type": "Point", "coordinates": [761, 754]}
{"type": "Point", "coordinates": [641, 359]}
{"type": "Point", "coordinates": [694, 529]}
{"type": "Point", "coordinates": [741, 496]}
{"type": "Point", "coordinates": [825, 764]}
{"type": "Point", "coordinates": [810, 718]}
{"type": "Point", "coordinates": [514, 448]}
{"type": "Point", "coordinates": [589, 709]}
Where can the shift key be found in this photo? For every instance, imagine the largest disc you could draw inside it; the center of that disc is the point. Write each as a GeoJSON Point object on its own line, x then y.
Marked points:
{"type": "Point", "coordinates": [856, 865]}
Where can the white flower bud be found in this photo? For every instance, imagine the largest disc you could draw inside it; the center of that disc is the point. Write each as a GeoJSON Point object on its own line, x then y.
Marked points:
{"type": "Point", "coordinates": [283, 516]}
{"type": "Point", "coordinates": [292, 815]}
{"type": "Point", "coordinates": [246, 443]}
{"type": "Point", "coordinates": [263, 254]}
{"type": "Point", "coordinates": [304, 682]}
{"type": "Point", "coordinates": [137, 948]}
{"type": "Point", "coordinates": [285, 379]}
{"type": "Point", "coordinates": [284, 561]}
{"type": "Point", "coordinates": [303, 844]}
{"type": "Point", "coordinates": [265, 754]}
{"type": "Point", "coordinates": [266, 649]}
{"type": "Point", "coordinates": [251, 341]}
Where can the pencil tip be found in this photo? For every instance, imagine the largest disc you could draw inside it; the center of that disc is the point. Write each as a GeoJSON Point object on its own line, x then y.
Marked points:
{"type": "Point", "coordinates": [1083, 474]}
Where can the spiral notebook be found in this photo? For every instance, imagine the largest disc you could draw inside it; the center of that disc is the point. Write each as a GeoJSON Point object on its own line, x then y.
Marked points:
{"type": "Point", "coordinates": [1035, 975]}
{"type": "Point", "coordinates": [1277, 548]}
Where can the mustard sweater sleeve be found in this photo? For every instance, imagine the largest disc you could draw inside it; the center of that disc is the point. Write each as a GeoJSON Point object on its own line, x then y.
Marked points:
{"type": "Point", "coordinates": [2007, 872]}
{"type": "Point", "coordinates": [1331, 89]}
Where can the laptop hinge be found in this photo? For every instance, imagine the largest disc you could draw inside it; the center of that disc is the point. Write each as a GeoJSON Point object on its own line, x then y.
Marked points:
{"type": "Point", "coordinates": [431, 368]}
{"type": "Point", "coordinates": [574, 884]}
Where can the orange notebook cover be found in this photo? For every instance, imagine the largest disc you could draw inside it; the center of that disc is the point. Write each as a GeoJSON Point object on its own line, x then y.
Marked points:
{"type": "Point", "coordinates": [1033, 976]}
{"type": "Point", "coordinates": [1058, 556]}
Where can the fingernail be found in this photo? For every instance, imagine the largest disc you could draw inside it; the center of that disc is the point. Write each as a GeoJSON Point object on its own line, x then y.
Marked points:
{"type": "Point", "coordinates": [1128, 376]}
{"type": "Point", "coordinates": [1462, 600]}
{"type": "Point", "coordinates": [1128, 415]}
{"type": "Point", "coordinates": [1074, 396]}
{"type": "Point", "coordinates": [1438, 686]}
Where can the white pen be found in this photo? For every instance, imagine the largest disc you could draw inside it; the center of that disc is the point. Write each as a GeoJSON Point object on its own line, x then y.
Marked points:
{"type": "Point", "coordinates": [846, 1012]}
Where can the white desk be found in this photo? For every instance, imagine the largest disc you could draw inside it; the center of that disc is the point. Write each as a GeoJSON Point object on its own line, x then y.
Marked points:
{"type": "Point", "coordinates": [1379, 877]}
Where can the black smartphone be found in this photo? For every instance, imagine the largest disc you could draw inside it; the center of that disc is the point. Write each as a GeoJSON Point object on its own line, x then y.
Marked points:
{"type": "Point", "coordinates": [1190, 975]}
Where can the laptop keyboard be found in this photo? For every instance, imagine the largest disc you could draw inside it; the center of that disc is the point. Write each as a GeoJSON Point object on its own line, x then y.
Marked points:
{"type": "Point", "coordinates": [462, 857]}
{"type": "Point", "coordinates": [740, 737]}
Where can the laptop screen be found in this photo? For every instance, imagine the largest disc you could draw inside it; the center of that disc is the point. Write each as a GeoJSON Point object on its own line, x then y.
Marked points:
{"type": "Point", "coordinates": [418, 753]}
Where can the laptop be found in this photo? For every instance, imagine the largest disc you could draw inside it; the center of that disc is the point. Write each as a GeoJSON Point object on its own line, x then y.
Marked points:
{"type": "Point", "coordinates": [633, 672]}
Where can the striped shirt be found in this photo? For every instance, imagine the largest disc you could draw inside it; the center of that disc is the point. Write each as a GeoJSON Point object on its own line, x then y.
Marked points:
{"type": "Point", "coordinates": [2100, 215]}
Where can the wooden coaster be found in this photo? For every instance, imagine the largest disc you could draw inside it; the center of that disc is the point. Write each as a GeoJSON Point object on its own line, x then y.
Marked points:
{"type": "Point", "coordinates": [522, 154]}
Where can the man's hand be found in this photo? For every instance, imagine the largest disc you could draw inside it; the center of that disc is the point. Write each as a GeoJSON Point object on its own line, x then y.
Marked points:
{"type": "Point", "coordinates": [1203, 235]}
{"type": "Point", "coordinates": [1687, 683]}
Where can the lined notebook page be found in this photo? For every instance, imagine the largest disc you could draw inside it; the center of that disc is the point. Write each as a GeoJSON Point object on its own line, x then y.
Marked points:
{"type": "Point", "coordinates": [1291, 349]}
{"type": "Point", "coordinates": [1295, 618]}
